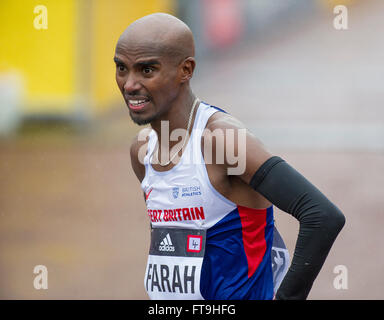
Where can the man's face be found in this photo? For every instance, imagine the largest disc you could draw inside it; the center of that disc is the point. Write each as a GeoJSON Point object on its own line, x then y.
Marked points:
{"type": "Point", "coordinates": [147, 79]}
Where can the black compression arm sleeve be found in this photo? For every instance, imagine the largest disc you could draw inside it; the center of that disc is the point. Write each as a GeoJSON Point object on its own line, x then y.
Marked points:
{"type": "Point", "coordinates": [320, 222]}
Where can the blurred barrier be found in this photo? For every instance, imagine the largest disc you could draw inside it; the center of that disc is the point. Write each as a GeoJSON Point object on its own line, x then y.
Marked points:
{"type": "Point", "coordinates": [332, 3]}
{"type": "Point", "coordinates": [220, 24]}
{"type": "Point", "coordinates": [265, 17]}
{"type": "Point", "coordinates": [63, 51]}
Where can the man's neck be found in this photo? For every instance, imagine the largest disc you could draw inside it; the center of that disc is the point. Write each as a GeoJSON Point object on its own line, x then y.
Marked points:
{"type": "Point", "coordinates": [176, 117]}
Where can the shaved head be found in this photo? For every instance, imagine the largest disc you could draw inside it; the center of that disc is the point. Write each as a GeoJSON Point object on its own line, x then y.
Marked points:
{"type": "Point", "coordinates": [165, 34]}
{"type": "Point", "coordinates": [155, 61]}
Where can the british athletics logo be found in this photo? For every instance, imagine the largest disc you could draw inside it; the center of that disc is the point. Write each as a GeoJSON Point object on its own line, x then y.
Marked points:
{"type": "Point", "coordinates": [190, 191]}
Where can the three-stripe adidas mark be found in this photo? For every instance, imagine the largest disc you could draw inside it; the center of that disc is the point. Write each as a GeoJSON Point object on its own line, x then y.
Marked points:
{"type": "Point", "coordinates": [166, 244]}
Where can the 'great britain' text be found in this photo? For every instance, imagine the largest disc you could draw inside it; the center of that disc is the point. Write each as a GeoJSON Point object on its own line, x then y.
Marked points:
{"type": "Point", "coordinates": [179, 214]}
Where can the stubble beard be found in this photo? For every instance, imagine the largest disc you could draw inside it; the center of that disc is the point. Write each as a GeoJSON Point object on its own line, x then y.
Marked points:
{"type": "Point", "coordinates": [144, 121]}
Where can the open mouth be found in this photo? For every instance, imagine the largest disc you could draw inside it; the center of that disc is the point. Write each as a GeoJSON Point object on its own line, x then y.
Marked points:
{"type": "Point", "coordinates": [137, 104]}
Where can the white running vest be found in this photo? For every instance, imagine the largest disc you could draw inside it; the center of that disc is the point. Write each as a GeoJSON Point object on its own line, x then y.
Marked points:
{"type": "Point", "coordinates": [185, 210]}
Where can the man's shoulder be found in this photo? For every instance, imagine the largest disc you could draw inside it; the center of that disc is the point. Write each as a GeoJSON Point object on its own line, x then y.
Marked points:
{"type": "Point", "coordinates": [227, 135]}
{"type": "Point", "coordinates": [223, 120]}
{"type": "Point", "coordinates": [222, 137]}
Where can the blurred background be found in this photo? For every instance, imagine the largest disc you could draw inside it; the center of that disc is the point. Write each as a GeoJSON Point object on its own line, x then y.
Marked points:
{"type": "Point", "coordinates": [68, 197]}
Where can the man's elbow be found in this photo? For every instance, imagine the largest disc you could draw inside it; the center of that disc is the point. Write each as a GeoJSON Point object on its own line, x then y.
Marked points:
{"type": "Point", "coordinates": [335, 220]}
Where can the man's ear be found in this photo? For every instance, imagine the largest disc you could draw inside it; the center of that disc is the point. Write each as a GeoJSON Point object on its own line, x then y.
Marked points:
{"type": "Point", "coordinates": [187, 67]}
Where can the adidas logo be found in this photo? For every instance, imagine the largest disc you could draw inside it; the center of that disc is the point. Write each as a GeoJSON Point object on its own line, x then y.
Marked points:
{"type": "Point", "coordinates": [166, 244]}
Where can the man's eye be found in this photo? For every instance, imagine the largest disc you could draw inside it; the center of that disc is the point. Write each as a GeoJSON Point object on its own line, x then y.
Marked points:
{"type": "Point", "coordinates": [147, 70]}
{"type": "Point", "coordinates": [120, 67]}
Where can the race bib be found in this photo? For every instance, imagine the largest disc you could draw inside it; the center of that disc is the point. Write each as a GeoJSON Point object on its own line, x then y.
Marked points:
{"type": "Point", "coordinates": [175, 261]}
{"type": "Point", "coordinates": [280, 259]}
{"type": "Point", "coordinates": [174, 264]}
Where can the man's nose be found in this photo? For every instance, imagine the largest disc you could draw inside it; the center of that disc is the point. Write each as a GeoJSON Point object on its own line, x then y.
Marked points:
{"type": "Point", "coordinates": [131, 84]}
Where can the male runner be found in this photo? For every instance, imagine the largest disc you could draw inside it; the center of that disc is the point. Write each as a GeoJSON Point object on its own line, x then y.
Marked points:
{"type": "Point", "coordinates": [212, 232]}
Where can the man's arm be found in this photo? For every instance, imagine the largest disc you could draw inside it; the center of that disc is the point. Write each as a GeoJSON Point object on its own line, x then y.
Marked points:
{"type": "Point", "coordinates": [136, 159]}
{"type": "Point", "coordinates": [320, 220]}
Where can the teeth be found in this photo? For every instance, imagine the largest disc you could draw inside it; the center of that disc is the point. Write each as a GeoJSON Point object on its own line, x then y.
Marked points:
{"type": "Point", "coordinates": [136, 102]}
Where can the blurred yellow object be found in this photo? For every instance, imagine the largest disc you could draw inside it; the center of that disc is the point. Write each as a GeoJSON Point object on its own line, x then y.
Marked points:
{"type": "Point", "coordinates": [67, 64]}
{"type": "Point", "coordinates": [45, 58]}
